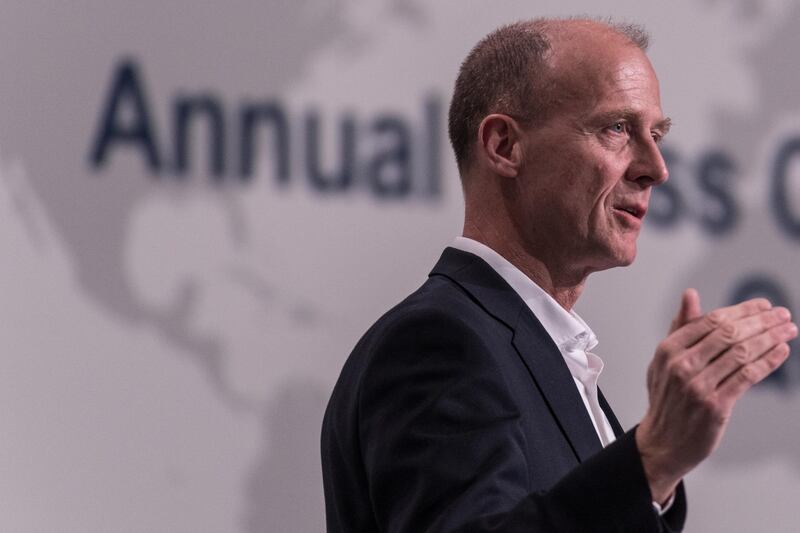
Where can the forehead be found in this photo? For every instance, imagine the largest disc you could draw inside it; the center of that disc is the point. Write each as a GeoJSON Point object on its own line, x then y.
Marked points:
{"type": "Point", "coordinates": [597, 71]}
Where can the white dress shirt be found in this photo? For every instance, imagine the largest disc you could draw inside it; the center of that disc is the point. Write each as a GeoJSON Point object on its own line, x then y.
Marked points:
{"type": "Point", "coordinates": [569, 332]}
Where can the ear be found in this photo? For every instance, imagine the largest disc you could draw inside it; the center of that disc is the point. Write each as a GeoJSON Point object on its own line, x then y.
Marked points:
{"type": "Point", "coordinates": [500, 143]}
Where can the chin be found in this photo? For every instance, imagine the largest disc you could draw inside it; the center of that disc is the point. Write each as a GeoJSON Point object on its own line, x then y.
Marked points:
{"type": "Point", "coordinates": [627, 261]}
{"type": "Point", "coordinates": [624, 255]}
{"type": "Point", "coordinates": [623, 251]}
{"type": "Point", "coordinates": [616, 257]}
{"type": "Point", "coordinates": [628, 256]}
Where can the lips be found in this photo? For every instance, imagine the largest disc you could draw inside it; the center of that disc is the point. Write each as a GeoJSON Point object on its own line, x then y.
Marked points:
{"type": "Point", "coordinates": [635, 210]}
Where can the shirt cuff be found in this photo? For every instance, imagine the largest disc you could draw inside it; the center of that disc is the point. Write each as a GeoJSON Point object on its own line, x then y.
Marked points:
{"type": "Point", "coordinates": [666, 507]}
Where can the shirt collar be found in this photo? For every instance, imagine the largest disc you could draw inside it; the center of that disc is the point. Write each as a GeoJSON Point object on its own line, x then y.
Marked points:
{"type": "Point", "coordinates": [566, 328]}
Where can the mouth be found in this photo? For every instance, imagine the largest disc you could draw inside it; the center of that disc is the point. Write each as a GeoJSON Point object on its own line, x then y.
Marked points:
{"type": "Point", "coordinates": [630, 214]}
{"type": "Point", "coordinates": [636, 211]}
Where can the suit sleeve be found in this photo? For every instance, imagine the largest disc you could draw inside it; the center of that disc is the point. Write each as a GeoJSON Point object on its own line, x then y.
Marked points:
{"type": "Point", "coordinates": [444, 451]}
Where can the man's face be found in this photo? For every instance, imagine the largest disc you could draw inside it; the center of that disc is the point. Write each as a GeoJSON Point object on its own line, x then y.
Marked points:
{"type": "Point", "coordinates": [589, 167]}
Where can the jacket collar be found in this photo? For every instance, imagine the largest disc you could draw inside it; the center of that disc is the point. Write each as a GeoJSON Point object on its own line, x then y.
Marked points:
{"type": "Point", "coordinates": [534, 346]}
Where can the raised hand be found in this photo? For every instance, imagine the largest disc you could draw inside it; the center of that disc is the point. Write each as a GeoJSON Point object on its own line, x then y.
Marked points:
{"type": "Point", "coordinates": [706, 363]}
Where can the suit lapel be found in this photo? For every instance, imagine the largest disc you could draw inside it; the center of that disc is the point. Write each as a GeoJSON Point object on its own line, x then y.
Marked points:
{"type": "Point", "coordinates": [537, 350]}
{"type": "Point", "coordinates": [547, 366]}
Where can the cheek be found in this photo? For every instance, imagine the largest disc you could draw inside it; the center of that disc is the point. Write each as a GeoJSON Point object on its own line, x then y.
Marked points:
{"type": "Point", "coordinates": [606, 179]}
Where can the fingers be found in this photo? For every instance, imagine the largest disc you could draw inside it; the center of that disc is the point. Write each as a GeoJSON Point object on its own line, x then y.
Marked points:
{"type": "Point", "coordinates": [730, 335]}
{"type": "Point", "coordinates": [700, 370]}
{"type": "Point", "coordinates": [696, 330]}
{"type": "Point", "coordinates": [689, 310]}
{"type": "Point", "coordinates": [744, 353]}
{"type": "Point", "coordinates": [751, 373]}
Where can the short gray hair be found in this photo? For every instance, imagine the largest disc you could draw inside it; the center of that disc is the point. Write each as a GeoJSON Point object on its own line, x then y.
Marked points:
{"type": "Point", "coordinates": [505, 73]}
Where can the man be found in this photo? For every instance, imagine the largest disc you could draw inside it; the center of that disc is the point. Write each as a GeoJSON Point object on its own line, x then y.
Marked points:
{"type": "Point", "coordinates": [473, 405]}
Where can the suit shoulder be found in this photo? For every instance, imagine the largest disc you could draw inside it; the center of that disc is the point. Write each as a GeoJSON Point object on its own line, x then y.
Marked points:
{"type": "Point", "coordinates": [439, 299]}
{"type": "Point", "coordinates": [439, 319]}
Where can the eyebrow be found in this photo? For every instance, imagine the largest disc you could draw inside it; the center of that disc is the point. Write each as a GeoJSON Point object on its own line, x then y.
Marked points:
{"type": "Point", "coordinates": [664, 125]}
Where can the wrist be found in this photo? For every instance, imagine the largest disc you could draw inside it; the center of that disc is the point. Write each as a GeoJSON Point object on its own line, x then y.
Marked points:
{"type": "Point", "coordinates": [661, 478]}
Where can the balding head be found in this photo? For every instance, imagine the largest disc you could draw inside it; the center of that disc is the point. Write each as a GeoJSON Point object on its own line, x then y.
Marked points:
{"type": "Point", "coordinates": [558, 146]}
{"type": "Point", "coordinates": [518, 70]}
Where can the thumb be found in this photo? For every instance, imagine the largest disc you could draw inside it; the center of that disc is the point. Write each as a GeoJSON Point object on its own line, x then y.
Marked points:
{"type": "Point", "coordinates": [689, 310]}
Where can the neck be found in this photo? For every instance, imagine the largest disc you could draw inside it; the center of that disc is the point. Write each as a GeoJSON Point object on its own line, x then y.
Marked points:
{"type": "Point", "coordinates": [562, 283]}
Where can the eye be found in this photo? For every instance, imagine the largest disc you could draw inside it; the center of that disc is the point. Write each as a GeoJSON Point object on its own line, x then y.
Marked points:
{"type": "Point", "coordinates": [618, 127]}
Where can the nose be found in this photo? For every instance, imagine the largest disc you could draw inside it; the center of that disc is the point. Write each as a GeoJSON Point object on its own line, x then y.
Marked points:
{"type": "Point", "coordinates": [648, 167]}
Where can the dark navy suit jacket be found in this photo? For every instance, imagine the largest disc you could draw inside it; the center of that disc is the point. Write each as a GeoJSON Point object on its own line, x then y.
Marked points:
{"type": "Point", "coordinates": [457, 412]}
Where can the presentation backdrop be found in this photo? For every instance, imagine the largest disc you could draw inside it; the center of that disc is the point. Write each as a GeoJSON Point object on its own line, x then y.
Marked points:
{"type": "Point", "coordinates": [203, 205]}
